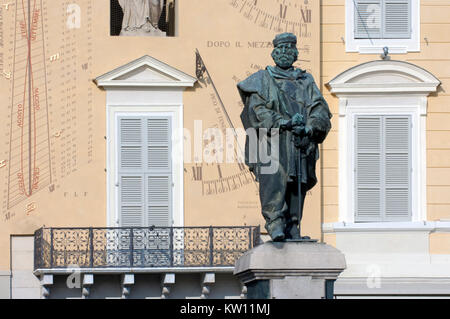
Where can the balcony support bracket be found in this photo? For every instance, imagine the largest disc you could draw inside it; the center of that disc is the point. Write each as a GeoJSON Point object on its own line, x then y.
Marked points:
{"type": "Point", "coordinates": [46, 281]}
{"type": "Point", "coordinates": [127, 282]}
{"type": "Point", "coordinates": [208, 279]}
{"type": "Point", "coordinates": [167, 281]}
{"type": "Point", "coordinates": [88, 281]}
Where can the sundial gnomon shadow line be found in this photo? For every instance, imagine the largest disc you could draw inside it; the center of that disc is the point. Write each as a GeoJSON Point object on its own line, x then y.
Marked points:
{"type": "Point", "coordinates": [223, 181]}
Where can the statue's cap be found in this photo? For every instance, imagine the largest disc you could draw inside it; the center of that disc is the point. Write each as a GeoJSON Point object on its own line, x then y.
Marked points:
{"type": "Point", "coordinates": [284, 38]}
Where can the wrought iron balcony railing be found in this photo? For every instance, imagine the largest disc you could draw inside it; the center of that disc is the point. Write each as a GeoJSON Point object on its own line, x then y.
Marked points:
{"type": "Point", "coordinates": [156, 247]}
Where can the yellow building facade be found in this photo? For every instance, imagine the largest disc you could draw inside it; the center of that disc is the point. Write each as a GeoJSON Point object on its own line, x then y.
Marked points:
{"type": "Point", "coordinates": [339, 55]}
{"type": "Point", "coordinates": [65, 147]}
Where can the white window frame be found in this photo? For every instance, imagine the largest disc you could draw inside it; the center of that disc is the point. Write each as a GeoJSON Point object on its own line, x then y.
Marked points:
{"type": "Point", "coordinates": [374, 106]}
{"type": "Point", "coordinates": [148, 112]}
{"type": "Point", "coordinates": [173, 111]}
{"type": "Point", "coordinates": [145, 86]}
{"type": "Point", "coordinates": [375, 46]}
{"type": "Point", "coordinates": [383, 87]}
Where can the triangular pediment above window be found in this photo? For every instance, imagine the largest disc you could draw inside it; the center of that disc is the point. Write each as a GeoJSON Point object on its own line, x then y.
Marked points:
{"type": "Point", "coordinates": [384, 76]}
{"type": "Point", "coordinates": [145, 72]}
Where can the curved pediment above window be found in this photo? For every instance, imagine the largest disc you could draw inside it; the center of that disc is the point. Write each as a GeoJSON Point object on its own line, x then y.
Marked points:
{"type": "Point", "coordinates": [384, 76]}
{"type": "Point", "coordinates": [145, 72]}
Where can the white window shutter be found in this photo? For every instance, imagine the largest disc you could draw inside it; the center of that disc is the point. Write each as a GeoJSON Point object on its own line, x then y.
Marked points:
{"type": "Point", "coordinates": [397, 19]}
{"type": "Point", "coordinates": [368, 173]}
{"type": "Point", "coordinates": [158, 137]}
{"type": "Point", "coordinates": [131, 201]}
{"type": "Point", "coordinates": [145, 171]}
{"type": "Point", "coordinates": [368, 19]}
{"type": "Point", "coordinates": [130, 155]}
{"type": "Point", "coordinates": [397, 168]}
{"type": "Point", "coordinates": [159, 177]}
{"type": "Point", "coordinates": [158, 200]}
{"type": "Point", "coordinates": [382, 168]}
{"type": "Point", "coordinates": [131, 181]}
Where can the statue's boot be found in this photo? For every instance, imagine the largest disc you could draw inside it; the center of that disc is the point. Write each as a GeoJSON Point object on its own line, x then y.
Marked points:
{"type": "Point", "coordinates": [277, 235]}
{"type": "Point", "coordinates": [292, 231]}
{"type": "Point", "coordinates": [276, 230]}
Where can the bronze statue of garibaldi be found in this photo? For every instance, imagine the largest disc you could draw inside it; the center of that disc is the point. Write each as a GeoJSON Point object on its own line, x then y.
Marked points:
{"type": "Point", "coordinates": [285, 99]}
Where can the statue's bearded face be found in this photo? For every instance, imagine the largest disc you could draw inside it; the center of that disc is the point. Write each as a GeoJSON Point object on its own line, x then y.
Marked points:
{"type": "Point", "coordinates": [285, 54]}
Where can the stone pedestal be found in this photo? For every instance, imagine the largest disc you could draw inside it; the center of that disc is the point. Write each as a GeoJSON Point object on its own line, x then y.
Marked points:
{"type": "Point", "coordinates": [290, 270]}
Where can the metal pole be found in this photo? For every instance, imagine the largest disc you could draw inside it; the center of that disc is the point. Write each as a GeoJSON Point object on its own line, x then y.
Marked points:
{"type": "Point", "coordinates": [211, 246]}
{"type": "Point", "coordinates": [131, 247]}
{"type": "Point", "coordinates": [91, 246]}
{"type": "Point", "coordinates": [51, 247]}
{"type": "Point", "coordinates": [299, 176]}
{"type": "Point", "coordinates": [171, 252]}
{"type": "Point", "coordinates": [250, 237]}
{"type": "Point", "coordinates": [37, 247]}
{"type": "Point", "coordinates": [299, 182]}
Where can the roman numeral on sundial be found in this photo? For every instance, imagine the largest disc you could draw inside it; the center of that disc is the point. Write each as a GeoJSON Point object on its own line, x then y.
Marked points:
{"type": "Point", "coordinates": [197, 173]}
{"type": "Point", "coordinates": [283, 11]}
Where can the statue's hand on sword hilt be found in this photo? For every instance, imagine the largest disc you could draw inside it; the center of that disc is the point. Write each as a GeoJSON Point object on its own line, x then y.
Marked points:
{"type": "Point", "coordinates": [296, 125]}
{"type": "Point", "coordinates": [301, 132]}
{"type": "Point", "coordinates": [295, 121]}
{"type": "Point", "coordinates": [302, 136]}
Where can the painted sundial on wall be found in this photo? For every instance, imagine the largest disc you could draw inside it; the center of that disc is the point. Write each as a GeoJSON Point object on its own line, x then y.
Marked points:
{"type": "Point", "coordinates": [277, 15]}
{"type": "Point", "coordinates": [216, 177]}
{"type": "Point", "coordinates": [48, 99]}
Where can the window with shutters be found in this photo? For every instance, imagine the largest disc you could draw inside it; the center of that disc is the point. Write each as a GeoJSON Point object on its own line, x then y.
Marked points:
{"type": "Point", "coordinates": [382, 144]}
{"type": "Point", "coordinates": [144, 171]}
{"type": "Point", "coordinates": [372, 25]}
{"type": "Point", "coordinates": [144, 143]}
{"type": "Point", "coordinates": [382, 168]}
{"type": "Point", "coordinates": [385, 19]}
